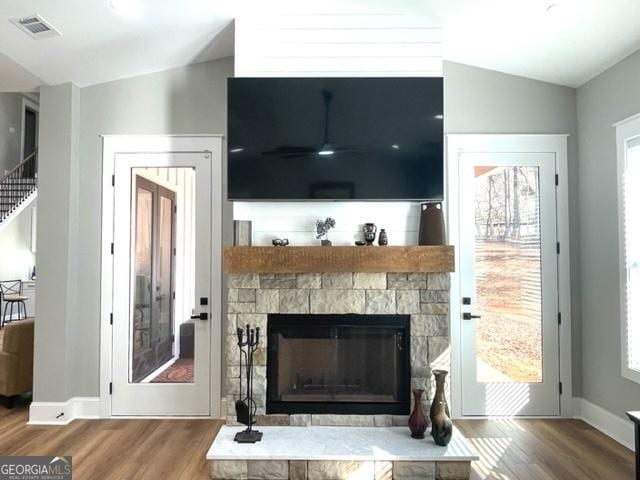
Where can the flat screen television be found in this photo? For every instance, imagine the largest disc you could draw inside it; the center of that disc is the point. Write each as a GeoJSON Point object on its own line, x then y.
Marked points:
{"type": "Point", "coordinates": [335, 139]}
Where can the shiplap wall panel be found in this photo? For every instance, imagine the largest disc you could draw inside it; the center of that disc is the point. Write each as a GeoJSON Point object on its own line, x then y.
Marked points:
{"type": "Point", "coordinates": [350, 50]}
{"type": "Point", "coordinates": [337, 45]}
{"type": "Point", "coordinates": [297, 220]}
{"type": "Point", "coordinates": [354, 65]}
{"type": "Point", "coordinates": [365, 36]}
{"type": "Point", "coordinates": [334, 45]}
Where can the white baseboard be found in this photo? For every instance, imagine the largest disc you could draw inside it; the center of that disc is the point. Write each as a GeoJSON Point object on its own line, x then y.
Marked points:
{"type": "Point", "coordinates": [620, 429]}
{"type": "Point", "coordinates": [62, 413]}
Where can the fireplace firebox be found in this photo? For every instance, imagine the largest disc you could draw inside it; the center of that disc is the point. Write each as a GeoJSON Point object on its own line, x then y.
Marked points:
{"type": "Point", "coordinates": [342, 364]}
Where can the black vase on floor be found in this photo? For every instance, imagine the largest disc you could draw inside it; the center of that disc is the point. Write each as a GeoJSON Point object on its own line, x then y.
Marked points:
{"type": "Point", "coordinates": [441, 425]}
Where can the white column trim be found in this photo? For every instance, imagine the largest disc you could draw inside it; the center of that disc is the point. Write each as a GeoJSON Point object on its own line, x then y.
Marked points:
{"type": "Point", "coordinates": [62, 413]}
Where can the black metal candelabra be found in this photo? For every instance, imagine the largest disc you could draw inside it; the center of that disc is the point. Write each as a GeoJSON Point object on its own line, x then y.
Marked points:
{"type": "Point", "coordinates": [248, 341]}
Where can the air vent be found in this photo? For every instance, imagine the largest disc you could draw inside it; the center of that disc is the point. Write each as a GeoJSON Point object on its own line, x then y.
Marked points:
{"type": "Point", "coordinates": [36, 27]}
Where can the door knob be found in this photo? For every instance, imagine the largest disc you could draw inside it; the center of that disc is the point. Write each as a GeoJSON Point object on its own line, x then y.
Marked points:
{"type": "Point", "coordinates": [468, 316]}
{"type": "Point", "coordinates": [200, 316]}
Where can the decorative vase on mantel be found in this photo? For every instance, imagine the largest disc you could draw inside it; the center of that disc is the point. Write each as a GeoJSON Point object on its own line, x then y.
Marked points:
{"type": "Point", "coordinates": [432, 230]}
{"type": "Point", "coordinates": [417, 422]}
{"type": "Point", "coordinates": [441, 425]}
{"type": "Point", "coordinates": [383, 238]}
{"type": "Point", "coordinates": [369, 231]}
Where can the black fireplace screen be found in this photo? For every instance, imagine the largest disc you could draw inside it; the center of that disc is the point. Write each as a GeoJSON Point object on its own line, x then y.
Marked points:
{"type": "Point", "coordinates": [338, 364]}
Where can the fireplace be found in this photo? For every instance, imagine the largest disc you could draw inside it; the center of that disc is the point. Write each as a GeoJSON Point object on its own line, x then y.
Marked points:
{"type": "Point", "coordinates": [341, 364]}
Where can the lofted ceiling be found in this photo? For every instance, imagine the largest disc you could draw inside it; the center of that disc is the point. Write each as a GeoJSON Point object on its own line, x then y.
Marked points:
{"type": "Point", "coordinates": [567, 44]}
{"type": "Point", "coordinates": [15, 78]}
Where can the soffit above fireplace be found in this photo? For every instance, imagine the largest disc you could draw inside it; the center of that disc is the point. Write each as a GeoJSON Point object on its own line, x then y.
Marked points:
{"type": "Point", "coordinates": [391, 259]}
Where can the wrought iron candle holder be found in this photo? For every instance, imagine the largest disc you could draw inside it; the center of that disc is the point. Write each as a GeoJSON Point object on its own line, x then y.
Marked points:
{"type": "Point", "coordinates": [246, 408]}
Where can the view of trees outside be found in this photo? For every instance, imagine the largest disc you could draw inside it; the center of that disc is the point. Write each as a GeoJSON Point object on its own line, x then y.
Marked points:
{"type": "Point", "coordinates": [508, 274]}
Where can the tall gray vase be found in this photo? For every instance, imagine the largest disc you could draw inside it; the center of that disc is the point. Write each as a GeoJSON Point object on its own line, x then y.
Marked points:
{"type": "Point", "coordinates": [441, 424]}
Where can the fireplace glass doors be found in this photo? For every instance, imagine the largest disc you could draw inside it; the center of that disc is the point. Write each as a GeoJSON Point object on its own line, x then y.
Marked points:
{"type": "Point", "coordinates": [355, 364]}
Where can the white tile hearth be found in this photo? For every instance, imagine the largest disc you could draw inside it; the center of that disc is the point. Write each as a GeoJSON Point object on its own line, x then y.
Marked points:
{"type": "Point", "coordinates": [339, 443]}
{"type": "Point", "coordinates": [337, 453]}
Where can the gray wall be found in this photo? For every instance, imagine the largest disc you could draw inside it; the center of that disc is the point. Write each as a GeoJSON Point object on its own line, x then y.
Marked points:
{"type": "Point", "coordinates": [180, 101]}
{"type": "Point", "coordinates": [612, 96]}
{"type": "Point", "coordinates": [193, 100]}
{"type": "Point", "coordinates": [10, 116]}
{"type": "Point", "coordinates": [57, 243]}
{"type": "Point", "coordinates": [484, 101]}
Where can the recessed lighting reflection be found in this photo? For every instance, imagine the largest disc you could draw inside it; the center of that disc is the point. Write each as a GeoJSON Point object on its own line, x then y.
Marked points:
{"type": "Point", "coordinates": [326, 152]}
{"type": "Point", "coordinates": [237, 150]}
{"type": "Point", "coordinates": [439, 117]}
{"type": "Point", "coordinates": [552, 8]}
{"type": "Point", "coordinates": [126, 8]}
{"type": "Point", "coordinates": [395, 147]}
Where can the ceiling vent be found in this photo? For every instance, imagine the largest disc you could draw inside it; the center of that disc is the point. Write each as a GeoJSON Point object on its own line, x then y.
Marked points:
{"type": "Point", "coordinates": [36, 27]}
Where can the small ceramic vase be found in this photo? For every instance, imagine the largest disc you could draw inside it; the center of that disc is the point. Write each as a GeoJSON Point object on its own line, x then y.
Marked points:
{"type": "Point", "coordinates": [383, 239]}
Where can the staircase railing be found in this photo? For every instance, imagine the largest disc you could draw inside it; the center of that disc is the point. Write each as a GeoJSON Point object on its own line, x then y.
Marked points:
{"type": "Point", "coordinates": [17, 185]}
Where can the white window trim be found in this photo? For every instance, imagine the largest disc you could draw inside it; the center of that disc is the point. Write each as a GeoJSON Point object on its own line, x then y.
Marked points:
{"type": "Point", "coordinates": [626, 130]}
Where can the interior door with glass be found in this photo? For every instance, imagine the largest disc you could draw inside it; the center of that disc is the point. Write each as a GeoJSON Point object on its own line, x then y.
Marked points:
{"type": "Point", "coordinates": [509, 284]}
{"type": "Point", "coordinates": [162, 284]}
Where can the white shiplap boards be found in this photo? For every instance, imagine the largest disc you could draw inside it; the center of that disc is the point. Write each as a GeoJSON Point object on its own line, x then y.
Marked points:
{"type": "Point", "coordinates": [347, 45]}
{"type": "Point", "coordinates": [335, 45]}
{"type": "Point", "coordinates": [297, 220]}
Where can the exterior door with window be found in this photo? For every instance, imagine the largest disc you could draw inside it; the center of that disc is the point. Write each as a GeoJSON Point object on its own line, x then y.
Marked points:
{"type": "Point", "coordinates": [162, 284]}
{"type": "Point", "coordinates": [508, 284]}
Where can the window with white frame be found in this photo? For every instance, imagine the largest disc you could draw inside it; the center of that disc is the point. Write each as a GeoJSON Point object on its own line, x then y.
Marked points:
{"type": "Point", "coordinates": [628, 134]}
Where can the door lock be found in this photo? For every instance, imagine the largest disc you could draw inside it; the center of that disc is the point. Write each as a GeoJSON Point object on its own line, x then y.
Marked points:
{"type": "Point", "coordinates": [468, 316]}
{"type": "Point", "coordinates": [201, 316]}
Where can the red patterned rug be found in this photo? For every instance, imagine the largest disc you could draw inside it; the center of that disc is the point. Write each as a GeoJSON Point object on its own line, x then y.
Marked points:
{"type": "Point", "coordinates": [180, 372]}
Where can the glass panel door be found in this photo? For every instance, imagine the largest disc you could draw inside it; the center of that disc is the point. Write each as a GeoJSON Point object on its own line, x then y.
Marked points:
{"type": "Point", "coordinates": [141, 342]}
{"type": "Point", "coordinates": [162, 283]}
{"type": "Point", "coordinates": [153, 264]}
{"type": "Point", "coordinates": [509, 284]}
{"type": "Point", "coordinates": [508, 274]}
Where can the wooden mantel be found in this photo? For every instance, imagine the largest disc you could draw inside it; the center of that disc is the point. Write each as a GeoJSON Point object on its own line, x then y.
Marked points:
{"type": "Point", "coordinates": [339, 259]}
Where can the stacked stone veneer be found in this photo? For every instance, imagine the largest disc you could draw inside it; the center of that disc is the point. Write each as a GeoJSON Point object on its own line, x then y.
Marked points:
{"type": "Point", "coordinates": [338, 470]}
{"type": "Point", "coordinates": [251, 297]}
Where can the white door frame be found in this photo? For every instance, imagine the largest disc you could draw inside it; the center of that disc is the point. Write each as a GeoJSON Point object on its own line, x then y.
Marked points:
{"type": "Point", "coordinates": [511, 143]}
{"type": "Point", "coordinates": [113, 144]}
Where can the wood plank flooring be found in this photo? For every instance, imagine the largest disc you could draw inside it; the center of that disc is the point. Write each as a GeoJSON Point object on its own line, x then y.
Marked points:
{"type": "Point", "coordinates": [545, 449]}
{"type": "Point", "coordinates": [115, 449]}
{"type": "Point", "coordinates": [175, 449]}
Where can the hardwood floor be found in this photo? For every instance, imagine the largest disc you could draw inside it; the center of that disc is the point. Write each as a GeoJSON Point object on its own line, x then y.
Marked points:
{"type": "Point", "coordinates": [115, 449]}
{"type": "Point", "coordinates": [545, 449]}
{"type": "Point", "coordinates": [175, 449]}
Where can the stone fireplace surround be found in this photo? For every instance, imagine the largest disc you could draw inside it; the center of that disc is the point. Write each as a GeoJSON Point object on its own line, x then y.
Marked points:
{"type": "Point", "coordinates": [252, 296]}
